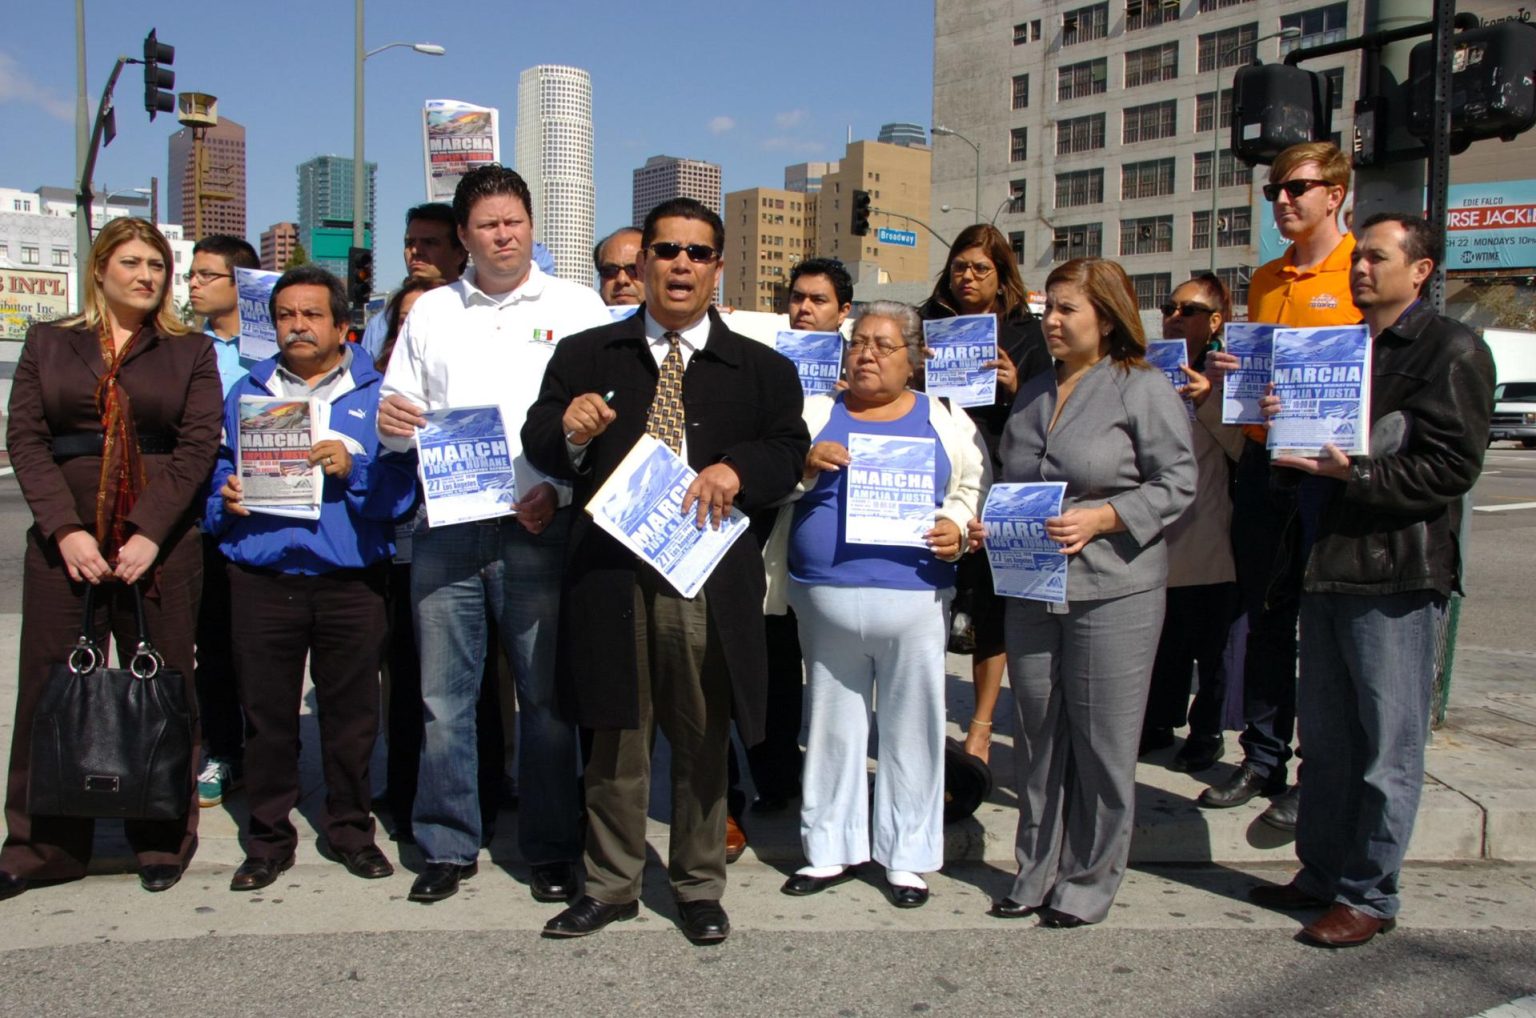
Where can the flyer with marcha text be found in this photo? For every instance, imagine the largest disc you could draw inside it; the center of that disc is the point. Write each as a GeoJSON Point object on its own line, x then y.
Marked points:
{"type": "Point", "coordinates": [1025, 562]}
{"type": "Point", "coordinates": [1323, 378]}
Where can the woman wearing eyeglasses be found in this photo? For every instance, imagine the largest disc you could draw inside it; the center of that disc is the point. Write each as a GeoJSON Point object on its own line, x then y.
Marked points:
{"type": "Point", "coordinates": [872, 617]}
{"type": "Point", "coordinates": [981, 277]}
{"type": "Point", "coordinates": [114, 424]}
{"type": "Point", "coordinates": [1202, 581]}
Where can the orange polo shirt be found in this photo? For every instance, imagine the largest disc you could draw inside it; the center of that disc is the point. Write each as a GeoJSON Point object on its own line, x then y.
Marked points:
{"type": "Point", "coordinates": [1281, 293]}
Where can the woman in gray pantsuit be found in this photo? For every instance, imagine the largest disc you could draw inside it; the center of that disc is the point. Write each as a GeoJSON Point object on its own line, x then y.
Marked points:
{"type": "Point", "coordinates": [1117, 433]}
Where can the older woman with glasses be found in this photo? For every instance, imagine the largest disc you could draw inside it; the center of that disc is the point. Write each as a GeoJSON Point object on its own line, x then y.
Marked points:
{"type": "Point", "coordinates": [872, 616]}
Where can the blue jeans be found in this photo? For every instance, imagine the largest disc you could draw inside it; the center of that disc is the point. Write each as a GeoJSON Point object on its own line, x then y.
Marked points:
{"type": "Point", "coordinates": [459, 574]}
{"type": "Point", "coordinates": [1367, 668]}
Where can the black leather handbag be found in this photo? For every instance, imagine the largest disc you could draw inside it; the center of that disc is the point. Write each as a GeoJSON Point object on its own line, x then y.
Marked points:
{"type": "Point", "coordinates": [112, 742]}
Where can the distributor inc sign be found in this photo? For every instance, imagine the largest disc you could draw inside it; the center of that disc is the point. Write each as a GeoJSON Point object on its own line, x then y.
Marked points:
{"type": "Point", "coordinates": [28, 296]}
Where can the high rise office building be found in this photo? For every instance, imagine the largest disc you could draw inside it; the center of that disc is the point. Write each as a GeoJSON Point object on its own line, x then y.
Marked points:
{"type": "Point", "coordinates": [553, 153]}
{"type": "Point", "coordinates": [223, 184]}
{"type": "Point", "coordinates": [325, 209]}
{"type": "Point", "coordinates": [277, 245]}
{"type": "Point", "coordinates": [666, 177]}
{"type": "Point", "coordinates": [806, 177]}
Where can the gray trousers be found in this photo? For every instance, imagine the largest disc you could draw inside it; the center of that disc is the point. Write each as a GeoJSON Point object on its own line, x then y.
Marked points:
{"type": "Point", "coordinates": [1080, 684]}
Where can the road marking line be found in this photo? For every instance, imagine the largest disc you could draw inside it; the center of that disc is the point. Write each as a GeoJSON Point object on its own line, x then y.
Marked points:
{"type": "Point", "coordinates": [1503, 508]}
{"type": "Point", "coordinates": [1524, 1007]}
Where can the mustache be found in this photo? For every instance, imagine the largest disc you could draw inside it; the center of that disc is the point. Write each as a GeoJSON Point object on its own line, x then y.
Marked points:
{"type": "Point", "coordinates": [300, 337]}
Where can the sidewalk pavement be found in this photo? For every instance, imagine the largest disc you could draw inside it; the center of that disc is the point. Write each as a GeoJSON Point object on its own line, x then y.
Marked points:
{"type": "Point", "coordinates": [1479, 798]}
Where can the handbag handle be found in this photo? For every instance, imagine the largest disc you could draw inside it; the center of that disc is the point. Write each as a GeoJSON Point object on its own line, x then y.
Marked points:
{"type": "Point", "coordinates": [86, 655]}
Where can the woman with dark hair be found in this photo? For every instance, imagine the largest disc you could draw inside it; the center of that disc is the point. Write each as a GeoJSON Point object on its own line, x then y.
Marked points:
{"type": "Point", "coordinates": [981, 276]}
{"type": "Point", "coordinates": [1202, 581]}
{"type": "Point", "coordinates": [1117, 434]}
{"type": "Point", "coordinates": [114, 424]}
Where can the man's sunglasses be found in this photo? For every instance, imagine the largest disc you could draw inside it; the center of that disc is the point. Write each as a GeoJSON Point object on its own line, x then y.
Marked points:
{"type": "Point", "coordinates": [701, 253]}
{"type": "Point", "coordinates": [1187, 310]}
{"type": "Point", "coordinates": [1295, 188]}
{"type": "Point", "coordinates": [610, 270]}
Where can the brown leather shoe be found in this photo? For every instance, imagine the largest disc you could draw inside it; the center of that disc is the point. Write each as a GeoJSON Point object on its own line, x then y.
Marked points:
{"type": "Point", "coordinates": [1343, 926]}
{"type": "Point", "coordinates": [735, 840]}
{"type": "Point", "coordinates": [1284, 897]}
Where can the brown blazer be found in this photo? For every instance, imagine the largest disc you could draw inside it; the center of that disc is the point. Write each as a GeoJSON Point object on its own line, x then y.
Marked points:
{"type": "Point", "coordinates": [173, 385]}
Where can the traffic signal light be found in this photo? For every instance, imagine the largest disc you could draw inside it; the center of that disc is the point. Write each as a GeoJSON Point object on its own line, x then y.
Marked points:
{"type": "Point", "coordinates": [1492, 90]}
{"type": "Point", "coordinates": [860, 225]}
{"type": "Point", "coordinates": [1275, 106]}
{"type": "Point", "coordinates": [158, 78]}
{"type": "Point", "coordinates": [359, 275]}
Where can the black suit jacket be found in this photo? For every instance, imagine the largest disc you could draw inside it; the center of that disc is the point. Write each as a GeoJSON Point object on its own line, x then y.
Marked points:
{"type": "Point", "coordinates": [742, 403]}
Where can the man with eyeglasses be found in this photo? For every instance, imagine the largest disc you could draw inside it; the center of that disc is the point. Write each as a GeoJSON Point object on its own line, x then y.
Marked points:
{"type": "Point", "coordinates": [485, 340]}
{"type": "Point", "coordinates": [618, 281]}
{"type": "Point", "coordinates": [432, 249]}
{"type": "Point", "coordinates": [1306, 286]}
{"type": "Point", "coordinates": [211, 282]}
{"type": "Point", "coordinates": [635, 654]}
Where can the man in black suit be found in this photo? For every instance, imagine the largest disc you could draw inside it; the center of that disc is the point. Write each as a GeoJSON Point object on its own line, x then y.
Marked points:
{"type": "Point", "coordinates": [633, 653]}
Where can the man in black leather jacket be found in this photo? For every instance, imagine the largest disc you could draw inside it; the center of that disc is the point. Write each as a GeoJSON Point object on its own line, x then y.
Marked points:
{"type": "Point", "coordinates": [1383, 559]}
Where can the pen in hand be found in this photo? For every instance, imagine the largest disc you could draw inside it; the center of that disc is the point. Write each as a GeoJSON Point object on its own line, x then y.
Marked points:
{"type": "Point", "coordinates": [607, 398]}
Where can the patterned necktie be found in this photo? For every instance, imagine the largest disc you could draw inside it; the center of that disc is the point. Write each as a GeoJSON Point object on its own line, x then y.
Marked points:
{"type": "Point", "coordinates": [665, 421]}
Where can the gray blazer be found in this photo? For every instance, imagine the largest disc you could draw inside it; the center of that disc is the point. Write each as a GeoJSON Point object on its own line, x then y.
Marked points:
{"type": "Point", "coordinates": [1123, 438]}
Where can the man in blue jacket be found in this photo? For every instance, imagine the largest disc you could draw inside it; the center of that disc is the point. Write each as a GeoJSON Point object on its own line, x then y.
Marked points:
{"type": "Point", "coordinates": [311, 587]}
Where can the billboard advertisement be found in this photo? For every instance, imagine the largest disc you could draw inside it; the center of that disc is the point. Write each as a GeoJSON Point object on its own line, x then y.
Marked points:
{"type": "Point", "coordinates": [456, 138]}
{"type": "Point", "coordinates": [28, 296]}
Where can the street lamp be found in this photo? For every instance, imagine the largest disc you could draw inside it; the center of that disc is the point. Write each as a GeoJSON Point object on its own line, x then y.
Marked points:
{"type": "Point", "coordinates": [1284, 33]}
{"type": "Point", "coordinates": [941, 130]}
{"type": "Point", "coordinates": [995, 213]}
{"type": "Point", "coordinates": [359, 174]}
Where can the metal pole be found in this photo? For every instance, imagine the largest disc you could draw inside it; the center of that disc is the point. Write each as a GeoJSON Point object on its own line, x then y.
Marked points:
{"type": "Point", "coordinates": [154, 201]}
{"type": "Point", "coordinates": [1216, 158]}
{"type": "Point", "coordinates": [977, 206]}
{"type": "Point", "coordinates": [197, 183]}
{"type": "Point", "coordinates": [1394, 186]}
{"type": "Point", "coordinates": [357, 128]}
{"type": "Point", "coordinates": [82, 143]}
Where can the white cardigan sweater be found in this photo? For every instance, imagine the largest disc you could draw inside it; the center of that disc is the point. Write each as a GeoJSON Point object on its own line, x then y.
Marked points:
{"type": "Point", "coordinates": [970, 474]}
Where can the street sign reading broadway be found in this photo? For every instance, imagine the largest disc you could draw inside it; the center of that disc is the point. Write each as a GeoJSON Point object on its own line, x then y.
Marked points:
{"type": "Point", "coordinates": [899, 238]}
{"type": "Point", "coordinates": [28, 296]}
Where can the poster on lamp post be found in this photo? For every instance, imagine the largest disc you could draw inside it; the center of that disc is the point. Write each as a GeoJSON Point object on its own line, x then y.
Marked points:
{"type": "Point", "coordinates": [456, 137]}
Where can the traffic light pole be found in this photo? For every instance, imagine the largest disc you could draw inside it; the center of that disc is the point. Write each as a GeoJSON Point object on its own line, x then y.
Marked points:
{"type": "Point", "coordinates": [83, 195]}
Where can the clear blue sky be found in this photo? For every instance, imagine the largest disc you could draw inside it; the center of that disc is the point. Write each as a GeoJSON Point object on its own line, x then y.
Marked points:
{"type": "Point", "coordinates": [751, 87]}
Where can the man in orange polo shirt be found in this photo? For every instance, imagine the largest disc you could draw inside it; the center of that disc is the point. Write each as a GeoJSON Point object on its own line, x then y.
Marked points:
{"type": "Point", "coordinates": [1306, 286]}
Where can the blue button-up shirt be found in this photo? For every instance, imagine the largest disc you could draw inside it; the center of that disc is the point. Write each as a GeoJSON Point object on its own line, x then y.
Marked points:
{"type": "Point", "coordinates": [232, 367]}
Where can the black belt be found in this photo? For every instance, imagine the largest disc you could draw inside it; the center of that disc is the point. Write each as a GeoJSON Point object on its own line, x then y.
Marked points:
{"type": "Point", "coordinates": [90, 443]}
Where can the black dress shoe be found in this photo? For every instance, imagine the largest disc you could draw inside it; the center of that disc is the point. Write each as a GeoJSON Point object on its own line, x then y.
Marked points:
{"type": "Point", "coordinates": [1281, 813]}
{"type": "Point", "coordinates": [257, 872]}
{"type": "Point", "coordinates": [368, 863]}
{"type": "Point", "coordinates": [1058, 920]}
{"type": "Point", "coordinates": [1198, 753]}
{"type": "Point", "coordinates": [1154, 739]}
{"type": "Point", "coordinates": [553, 881]}
{"type": "Point", "coordinates": [703, 922]}
{"type": "Point", "coordinates": [11, 885]}
{"type": "Point", "coordinates": [1244, 784]}
{"type": "Point", "coordinates": [908, 897]}
{"type": "Point", "coordinates": [588, 916]}
{"type": "Point", "coordinates": [1007, 908]}
{"type": "Point", "coordinates": [159, 877]}
{"type": "Point", "coordinates": [440, 880]}
{"type": "Point", "coordinates": [799, 885]}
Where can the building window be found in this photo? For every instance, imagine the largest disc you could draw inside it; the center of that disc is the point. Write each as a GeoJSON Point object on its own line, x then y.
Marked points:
{"type": "Point", "coordinates": [29, 254]}
{"type": "Point", "coordinates": [1082, 187]}
{"type": "Point", "coordinates": [1018, 145]}
{"type": "Point", "coordinates": [1085, 241]}
{"type": "Point", "coordinates": [61, 257]}
{"type": "Point", "coordinates": [1148, 235]}
{"type": "Point", "coordinates": [1233, 171]}
{"type": "Point", "coordinates": [1020, 91]}
{"type": "Point", "coordinates": [1148, 179]}
{"type": "Point", "coordinates": [1319, 26]}
{"type": "Point", "coordinates": [1335, 78]}
{"type": "Point", "coordinates": [1237, 282]}
{"type": "Point", "coordinates": [1225, 48]}
{"type": "Point", "coordinates": [1026, 31]}
{"type": "Point", "coordinates": [1150, 122]}
{"type": "Point", "coordinates": [1085, 24]}
{"type": "Point", "coordinates": [1203, 104]}
{"type": "Point", "coordinates": [1207, 6]}
{"type": "Point", "coordinates": [1091, 77]}
{"type": "Point", "coordinates": [1149, 13]}
{"type": "Point", "coordinates": [1151, 65]}
{"type": "Point", "coordinates": [1016, 242]}
{"type": "Point", "coordinates": [1152, 289]}
{"type": "Point", "coordinates": [1017, 190]}
{"type": "Point", "coordinates": [1080, 134]}
{"type": "Point", "coordinates": [1234, 228]}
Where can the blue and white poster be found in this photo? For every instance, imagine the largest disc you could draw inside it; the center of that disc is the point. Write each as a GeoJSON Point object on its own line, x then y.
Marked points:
{"type": "Point", "coordinates": [465, 465]}
{"type": "Point", "coordinates": [1252, 344]}
{"type": "Point", "coordinates": [817, 356]}
{"type": "Point", "coordinates": [641, 506]}
{"type": "Point", "coordinates": [1170, 356]}
{"type": "Point", "coordinates": [960, 346]}
{"type": "Point", "coordinates": [1323, 379]}
{"type": "Point", "coordinates": [890, 497]}
{"type": "Point", "coordinates": [1025, 563]}
{"type": "Point", "coordinates": [258, 333]}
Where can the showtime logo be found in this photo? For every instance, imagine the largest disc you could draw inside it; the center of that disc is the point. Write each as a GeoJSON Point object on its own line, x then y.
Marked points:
{"type": "Point", "coordinates": [1494, 218]}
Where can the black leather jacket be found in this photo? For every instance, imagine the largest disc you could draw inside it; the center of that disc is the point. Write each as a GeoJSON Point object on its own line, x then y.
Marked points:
{"type": "Point", "coordinates": [1393, 525]}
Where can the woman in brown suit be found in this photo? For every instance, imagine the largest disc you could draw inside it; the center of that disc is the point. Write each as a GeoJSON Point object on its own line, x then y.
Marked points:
{"type": "Point", "coordinates": [114, 424]}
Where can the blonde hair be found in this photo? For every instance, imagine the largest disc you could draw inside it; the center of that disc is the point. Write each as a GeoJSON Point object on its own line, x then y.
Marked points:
{"type": "Point", "coordinates": [1109, 290]}
{"type": "Point", "coordinates": [94, 312]}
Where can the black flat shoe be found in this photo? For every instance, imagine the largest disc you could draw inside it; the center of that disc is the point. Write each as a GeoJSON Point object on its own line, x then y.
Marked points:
{"type": "Point", "coordinates": [11, 886]}
{"type": "Point", "coordinates": [440, 880]}
{"type": "Point", "coordinates": [800, 885]}
{"type": "Point", "coordinates": [588, 916]}
{"type": "Point", "coordinates": [368, 863]}
{"type": "Point", "coordinates": [1007, 908]}
{"type": "Point", "coordinates": [553, 881]}
{"type": "Point", "coordinates": [1198, 753]}
{"type": "Point", "coordinates": [159, 877]}
{"type": "Point", "coordinates": [1057, 920]}
{"type": "Point", "coordinates": [257, 872]}
{"type": "Point", "coordinates": [1243, 785]}
{"type": "Point", "coordinates": [703, 922]}
{"type": "Point", "coordinates": [909, 897]}
{"type": "Point", "coordinates": [1154, 739]}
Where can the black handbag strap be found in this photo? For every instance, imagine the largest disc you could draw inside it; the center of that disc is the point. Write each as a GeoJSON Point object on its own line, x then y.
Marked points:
{"type": "Point", "coordinates": [86, 655]}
